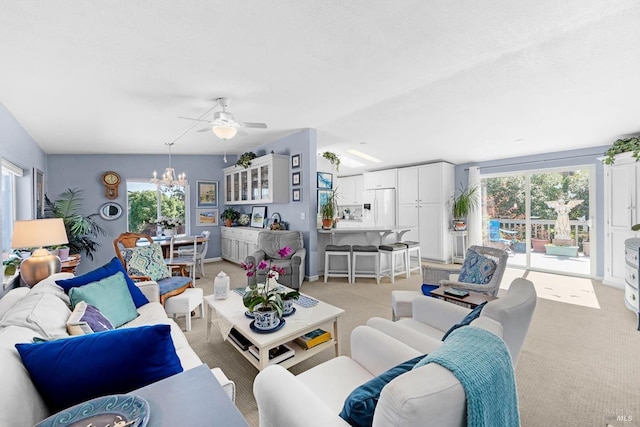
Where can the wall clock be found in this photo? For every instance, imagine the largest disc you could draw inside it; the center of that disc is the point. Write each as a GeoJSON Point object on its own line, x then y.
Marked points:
{"type": "Point", "coordinates": [111, 181]}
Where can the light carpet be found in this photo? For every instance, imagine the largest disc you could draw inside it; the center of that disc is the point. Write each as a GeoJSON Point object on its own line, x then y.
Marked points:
{"type": "Point", "coordinates": [578, 367]}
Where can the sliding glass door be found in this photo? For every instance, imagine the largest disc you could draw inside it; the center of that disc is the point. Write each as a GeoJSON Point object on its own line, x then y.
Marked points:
{"type": "Point", "coordinates": [542, 218]}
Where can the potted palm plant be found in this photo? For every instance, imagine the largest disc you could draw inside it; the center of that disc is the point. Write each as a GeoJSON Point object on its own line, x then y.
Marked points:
{"type": "Point", "coordinates": [463, 201]}
{"type": "Point", "coordinates": [328, 210]}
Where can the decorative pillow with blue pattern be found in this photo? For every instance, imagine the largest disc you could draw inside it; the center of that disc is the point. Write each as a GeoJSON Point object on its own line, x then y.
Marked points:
{"type": "Point", "coordinates": [146, 261]}
{"type": "Point", "coordinates": [476, 269]}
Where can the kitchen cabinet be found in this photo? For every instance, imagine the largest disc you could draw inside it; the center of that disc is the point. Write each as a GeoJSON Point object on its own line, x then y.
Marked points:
{"type": "Point", "coordinates": [380, 179]}
{"type": "Point", "coordinates": [237, 243]}
{"type": "Point", "coordinates": [265, 181]}
{"type": "Point", "coordinates": [350, 189]}
{"type": "Point", "coordinates": [622, 192]}
{"type": "Point", "coordinates": [632, 259]}
{"type": "Point", "coordinates": [423, 195]}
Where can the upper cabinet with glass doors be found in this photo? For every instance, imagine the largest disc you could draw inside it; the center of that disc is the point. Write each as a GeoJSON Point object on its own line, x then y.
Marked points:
{"type": "Point", "coordinates": [265, 181]}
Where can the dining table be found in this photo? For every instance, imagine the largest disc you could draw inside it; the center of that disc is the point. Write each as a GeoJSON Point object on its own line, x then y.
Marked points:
{"type": "Point", "coordinates": [178, 241]}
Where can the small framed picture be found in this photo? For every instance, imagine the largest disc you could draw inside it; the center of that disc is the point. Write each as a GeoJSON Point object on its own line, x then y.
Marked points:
{"type": "Point", "coordinates": [206, 217]}
{"type": "Point", "coordinates": [258, 214]}
{"type": "Point", "coordinates": [207, 193]}
{"type": "Point", "coordinates": [323, 196]}
{"type": "Point", "coordinates": [325, 180]}
{"type": "Point", "coordinates": [295, 178]}
{"type": "Point", "coordinates": [296, 195]}
{"type": "Point", "coordinates": [295, 161]}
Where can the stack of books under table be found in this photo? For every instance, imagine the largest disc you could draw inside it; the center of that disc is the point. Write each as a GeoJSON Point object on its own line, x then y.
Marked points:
{"type": "Point", "coordinates": [313, 338]}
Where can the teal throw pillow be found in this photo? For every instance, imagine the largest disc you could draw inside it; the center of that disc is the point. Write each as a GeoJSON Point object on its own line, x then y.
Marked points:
{"type": "Point", "coordinates": [476, 269]}
{"type": "Point", "coordinates": [146, 261]}
{"type": "Point", "coordinates": [109, 269]}
{"type": "Point", "coordinates": [110, 295]}
{"type": "Point", "coordinates": [68, 371]}
{"type": "Point", "coordinates": [473, 315]}
{"type": "Point", "coordinates": [360, 405]}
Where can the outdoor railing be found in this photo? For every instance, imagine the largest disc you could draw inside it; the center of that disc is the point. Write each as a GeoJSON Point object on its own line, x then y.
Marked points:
{"type": "Point", "coordinates": [543, 228]}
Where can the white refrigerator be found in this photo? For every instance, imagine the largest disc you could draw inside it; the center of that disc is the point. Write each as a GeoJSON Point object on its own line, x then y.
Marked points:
{"type": "Point", "coordinates": [379, 207]}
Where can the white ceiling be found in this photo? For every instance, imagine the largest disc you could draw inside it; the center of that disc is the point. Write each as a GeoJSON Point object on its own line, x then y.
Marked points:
{"type": "Point", "coordinates": [414, 80]}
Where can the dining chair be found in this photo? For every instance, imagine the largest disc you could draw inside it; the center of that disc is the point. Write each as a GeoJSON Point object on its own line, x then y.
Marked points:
{"type": "Point", "coordinates": [146, 262]}
{"type": "Point", "coordinates": [201, 251]}
{"type": "Point", "coordinates": [186, 261]}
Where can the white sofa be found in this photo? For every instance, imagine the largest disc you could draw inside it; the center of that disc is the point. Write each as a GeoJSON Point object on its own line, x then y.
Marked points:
{"type": "Point", "coordinates": [42, 311]}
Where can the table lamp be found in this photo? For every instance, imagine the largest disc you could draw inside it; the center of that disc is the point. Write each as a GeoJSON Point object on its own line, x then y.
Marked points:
{"type": "Point", "coordinates": [38, 233]}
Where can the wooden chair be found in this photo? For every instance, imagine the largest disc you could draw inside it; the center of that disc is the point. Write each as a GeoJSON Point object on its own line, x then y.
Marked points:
{"type": "Point", "coordinates": [126, 246]}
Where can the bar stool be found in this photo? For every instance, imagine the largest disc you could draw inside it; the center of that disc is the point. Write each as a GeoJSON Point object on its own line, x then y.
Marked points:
{"type": "Point", "coordinates": [337, 250]}
{"type": "Point", "coordinates": [394, 251]}
{"type": "Point", "coordinates": [412, 247]}
{"type": "Point", "coordinates": [366, 251]}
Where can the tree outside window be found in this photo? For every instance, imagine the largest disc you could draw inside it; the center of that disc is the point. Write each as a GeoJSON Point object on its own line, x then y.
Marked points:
{"type": "Point", "coordinates": [146, 202]}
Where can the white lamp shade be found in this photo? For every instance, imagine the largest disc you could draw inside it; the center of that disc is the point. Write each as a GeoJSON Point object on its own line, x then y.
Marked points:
{"type": "Point", "coordinates": [224, 132]}
{"type": "Point", "coordinates": [38, 232]}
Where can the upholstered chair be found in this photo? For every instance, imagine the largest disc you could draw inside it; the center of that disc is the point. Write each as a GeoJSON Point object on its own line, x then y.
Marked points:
{"type": "Point", "coordinates": [269, 242]}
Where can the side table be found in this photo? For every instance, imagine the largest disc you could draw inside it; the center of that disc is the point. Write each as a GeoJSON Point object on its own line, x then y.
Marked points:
{"type": "Point", "coordinates": [472, 300]}
{"type": "Point", "coordinates": [190, 398]}
{"type": "Point", "coordinates": [458, 251]}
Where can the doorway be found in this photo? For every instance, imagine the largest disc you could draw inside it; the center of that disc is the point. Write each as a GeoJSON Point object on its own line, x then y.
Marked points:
{"type": "Point", "coordinates": [542, 218]}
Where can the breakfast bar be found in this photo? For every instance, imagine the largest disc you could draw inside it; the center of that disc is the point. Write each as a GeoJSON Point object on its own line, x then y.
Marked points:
{"type": "Point", "coordinates": [358, 235]}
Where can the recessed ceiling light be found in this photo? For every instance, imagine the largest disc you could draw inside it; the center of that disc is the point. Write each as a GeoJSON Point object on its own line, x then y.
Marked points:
{"type": "Point", "coordinates": [519, 140]}
{"type": "Point", "coordinates": [350, 163]}
{"type": "Point", "coordinates": [364, 156]}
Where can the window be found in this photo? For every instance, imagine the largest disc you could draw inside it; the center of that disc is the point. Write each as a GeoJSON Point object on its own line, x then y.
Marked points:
{"type": "Point", "coordinates": [146, 202]}
{"type": "Point", "coordinates": [8, 209]}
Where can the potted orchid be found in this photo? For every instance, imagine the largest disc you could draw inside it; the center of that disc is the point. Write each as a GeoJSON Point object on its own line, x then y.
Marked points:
{"type": "Point", "coordinates": [265, 300]}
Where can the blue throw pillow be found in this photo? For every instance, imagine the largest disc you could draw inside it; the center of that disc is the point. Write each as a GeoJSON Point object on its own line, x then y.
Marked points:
{"type": "Point", "coordinates": [473, 315]}
{"type": "Point", "coordinates": [426, 289]}
{"type": "Point", "coordinates": [360, 405]}
{"type": "Point", "coordinates": [100, 273]}
{"type": "Point", "coordinates": [476, 269]}
{"type": "Point", "coordinates": [109, 295]}
{"type": "Point", "coordinates": [71, 370]}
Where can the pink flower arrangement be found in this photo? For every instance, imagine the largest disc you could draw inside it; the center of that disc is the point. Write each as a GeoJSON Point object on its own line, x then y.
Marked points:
{"type": "Point", "coordinates": [262, 295]}
{"type": "Point", "coordinates": [273, 270]}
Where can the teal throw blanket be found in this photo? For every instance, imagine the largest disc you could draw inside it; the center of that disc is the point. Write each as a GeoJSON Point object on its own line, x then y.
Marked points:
{"type": "Point", "coordinates": [481, 362]}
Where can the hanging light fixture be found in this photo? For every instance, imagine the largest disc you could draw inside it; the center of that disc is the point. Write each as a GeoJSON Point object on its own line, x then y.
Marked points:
{"type": "Point", "coordinates": [224, 132]}
{"type": "Point", "coordinates": [169, 178]}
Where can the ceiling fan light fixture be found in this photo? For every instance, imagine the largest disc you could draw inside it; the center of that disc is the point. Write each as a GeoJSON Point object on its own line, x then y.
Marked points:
{"type": "Point", "coordinates": [224, 132]}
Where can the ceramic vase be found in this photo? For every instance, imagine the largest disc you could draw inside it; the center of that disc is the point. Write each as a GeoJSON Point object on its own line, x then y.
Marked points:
{"type": "Point", "coordinates": [288, 306]}
{"type": "Point", "coordinates": [169, 232]}
{"type": "Point", "coordinates": [266, 320]}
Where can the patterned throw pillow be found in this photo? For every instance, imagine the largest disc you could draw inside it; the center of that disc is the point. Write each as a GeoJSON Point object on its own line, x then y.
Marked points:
{"type": "Point", "coordinates": [87, 319]}
{"type": "Point", "coordinates": [476, 269]}
{"type": "Point", "coordinates": [146, 261]}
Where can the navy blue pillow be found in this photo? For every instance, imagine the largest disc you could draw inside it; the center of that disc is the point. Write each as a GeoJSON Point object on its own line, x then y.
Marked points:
{"type": "Point", "coordinates": [360, 405]}
{"type": "Point", "coordinates": [106, 270]}
{"type": "Point", "coordinates": [427, 288]}
{"type": "Point", "coordinates": [68, 371]}
{"type": "Point", "coordinates": [473, 315]}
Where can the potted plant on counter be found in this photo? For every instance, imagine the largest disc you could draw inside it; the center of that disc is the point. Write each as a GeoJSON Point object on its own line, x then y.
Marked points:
{"type": "Point", "coordinates": [328, 211]}
{"type": "Point", "coordinates": [463, 201]}
{"type": "Point", "coordinates": [229, 215]}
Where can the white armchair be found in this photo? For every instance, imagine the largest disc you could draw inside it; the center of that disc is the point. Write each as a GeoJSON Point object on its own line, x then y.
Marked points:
{"type": "Point", "coordinates": [429, 396]}
{"type": "Point", "coordinates": [432, 317]}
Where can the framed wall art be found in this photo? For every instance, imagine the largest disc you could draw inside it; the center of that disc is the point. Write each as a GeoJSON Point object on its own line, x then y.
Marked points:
{"type": "Point", "coordinates": [207, 194]}
{"type": "Point", "coordinates": [207, 217]}
{"type": "Point", "coordinates": [258, 214]}
{"type": "Point", "coordinates": [38, 193]}
{"type": "Point", "coordinates": [295, 161]}
{"type": "Point", "coordinates": [325, 180]}
{"type": "Point", "coordinates": [296, 178]}
{"type": "Point", "coordinates": [296, 195]}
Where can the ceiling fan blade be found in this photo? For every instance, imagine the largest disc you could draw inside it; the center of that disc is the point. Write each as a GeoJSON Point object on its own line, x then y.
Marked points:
{"type": "Point", "coordinates": [196, 120]}
{"type": "Point", "coordinates": [204, 130]}
{"type": "Point", "coordinates": [253, 125]}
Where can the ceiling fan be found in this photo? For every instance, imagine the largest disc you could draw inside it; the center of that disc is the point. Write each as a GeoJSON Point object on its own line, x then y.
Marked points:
{"type": "Point", "coordinates": [223, 125]}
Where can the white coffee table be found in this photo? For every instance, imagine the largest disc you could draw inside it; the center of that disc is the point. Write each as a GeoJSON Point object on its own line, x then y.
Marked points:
{"type": "Point", "coordinates": [230, 313]}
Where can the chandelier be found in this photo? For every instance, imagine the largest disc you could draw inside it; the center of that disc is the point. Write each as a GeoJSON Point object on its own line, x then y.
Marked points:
{"type": "Point", "coordinates": [169, 179]}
